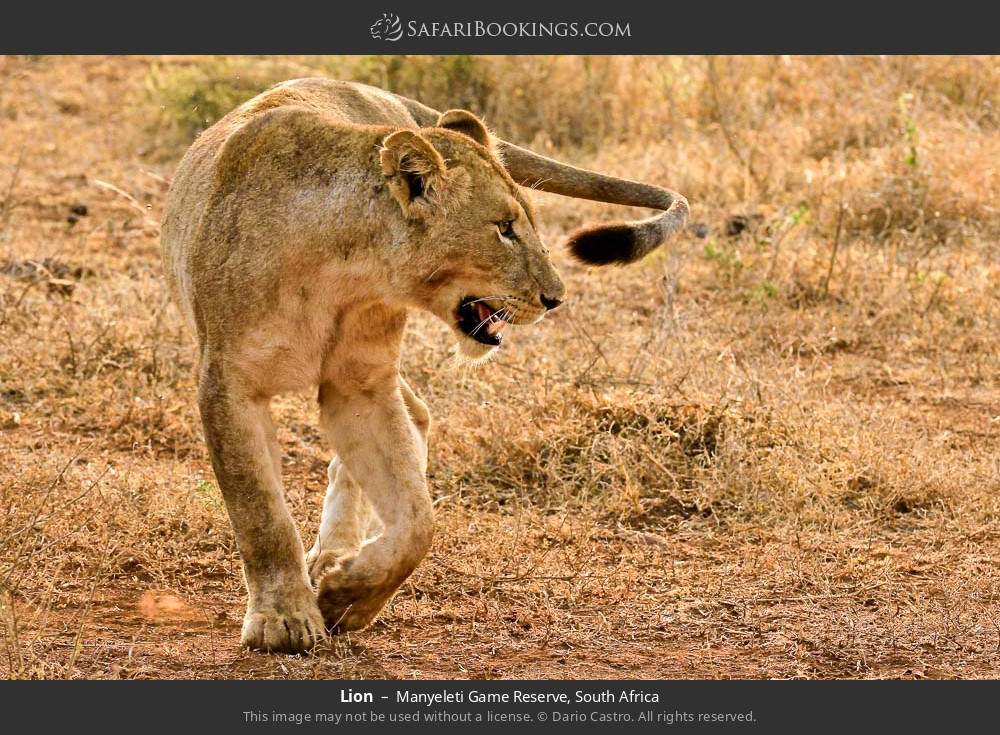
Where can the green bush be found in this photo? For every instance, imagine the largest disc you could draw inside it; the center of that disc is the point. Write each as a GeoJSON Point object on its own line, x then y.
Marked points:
{"type": "Point", "coordinates": [561, 102]}
{"type": "Point", "coordinates": [182, 100]}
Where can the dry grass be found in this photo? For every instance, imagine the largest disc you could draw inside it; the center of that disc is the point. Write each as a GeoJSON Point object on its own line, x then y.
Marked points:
{"type": "Point", "coordinates": [770, 453]}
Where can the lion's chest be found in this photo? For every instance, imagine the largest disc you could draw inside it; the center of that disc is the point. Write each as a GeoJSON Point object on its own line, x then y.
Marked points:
{"type": "Point", "coordinates": [318, 335]}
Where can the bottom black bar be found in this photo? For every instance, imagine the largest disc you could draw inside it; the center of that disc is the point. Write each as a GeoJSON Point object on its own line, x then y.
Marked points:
{"type": "Point", "coordinates": [493, 706]}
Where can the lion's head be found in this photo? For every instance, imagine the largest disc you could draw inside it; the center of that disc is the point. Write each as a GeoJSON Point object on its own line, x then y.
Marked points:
{"type": "Point", "coordinates": [476, 259]}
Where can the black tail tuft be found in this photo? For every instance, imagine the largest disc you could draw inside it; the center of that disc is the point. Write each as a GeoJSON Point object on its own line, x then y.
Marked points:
{"type": "Point", "coordinates": [605, 244]}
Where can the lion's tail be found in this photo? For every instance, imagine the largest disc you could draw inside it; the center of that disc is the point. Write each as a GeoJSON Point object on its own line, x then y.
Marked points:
{"type": "Point", "coordinates": [619, 242]}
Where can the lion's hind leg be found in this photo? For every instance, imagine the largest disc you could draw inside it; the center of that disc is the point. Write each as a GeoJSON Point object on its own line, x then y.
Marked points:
{"type": "Point", "coordinates": [348, 520]}
{"type": "Point", "coordinates": [384, 454]}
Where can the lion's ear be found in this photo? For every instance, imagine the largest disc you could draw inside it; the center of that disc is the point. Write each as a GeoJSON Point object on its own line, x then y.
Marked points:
{"type": "Point", "coordinates": [464, 122]}
{"type": "Point", "coordinates": [415, 171]}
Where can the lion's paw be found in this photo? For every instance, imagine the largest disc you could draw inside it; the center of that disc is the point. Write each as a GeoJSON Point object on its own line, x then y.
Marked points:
{"type": "Point", "coordinates": [347, 608]}
{"type": "Point", "coordinates": [288, 626]}
{"type": "Point", "coordinates": [346, 601]}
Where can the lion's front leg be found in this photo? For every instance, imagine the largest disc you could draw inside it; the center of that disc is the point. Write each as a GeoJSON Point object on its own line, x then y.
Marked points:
{"type": "Point", "coordinates": [384, 452]}
{"type": "Point", "coordinates": [282, 614]}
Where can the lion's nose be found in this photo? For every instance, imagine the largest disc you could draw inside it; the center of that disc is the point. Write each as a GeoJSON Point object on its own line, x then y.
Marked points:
{"type": "Point", "coordinates": [550, 303]}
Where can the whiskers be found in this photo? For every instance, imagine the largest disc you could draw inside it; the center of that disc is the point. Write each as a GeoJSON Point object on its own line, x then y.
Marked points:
{"type": "Point", "coordinates": [501, 299]}
{"type": "Point", "coordinates": [500, 314]}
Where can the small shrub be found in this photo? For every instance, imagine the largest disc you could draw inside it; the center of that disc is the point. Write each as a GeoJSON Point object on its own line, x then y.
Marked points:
{"type": "Point", "coordinates": [183, 100]}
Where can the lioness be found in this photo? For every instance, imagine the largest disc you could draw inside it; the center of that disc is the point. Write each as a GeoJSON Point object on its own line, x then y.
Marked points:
{"type": "Point", "coordinates": [298, 231]}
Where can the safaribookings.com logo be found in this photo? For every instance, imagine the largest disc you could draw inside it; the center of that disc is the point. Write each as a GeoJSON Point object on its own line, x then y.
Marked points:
{"type": "Point", "coordinates": [387, 28]}
{"type": "Point", "coordinates": [390, 28]}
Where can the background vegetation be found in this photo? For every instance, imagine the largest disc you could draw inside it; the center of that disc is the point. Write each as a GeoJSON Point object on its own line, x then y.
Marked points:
{"type": "Point", "coordinates": [769, 450]}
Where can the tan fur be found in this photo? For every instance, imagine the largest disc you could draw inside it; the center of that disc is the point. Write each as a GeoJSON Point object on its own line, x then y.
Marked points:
{"type": "Point", "coordinates": [298, 232]}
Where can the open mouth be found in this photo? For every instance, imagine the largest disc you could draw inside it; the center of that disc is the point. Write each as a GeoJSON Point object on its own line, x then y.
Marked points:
{"type": "Point", "coordinates": [480, 321]}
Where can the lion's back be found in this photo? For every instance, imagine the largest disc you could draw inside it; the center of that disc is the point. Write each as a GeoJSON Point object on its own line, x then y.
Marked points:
{"type": "Point", "coordinates": [205, 163]}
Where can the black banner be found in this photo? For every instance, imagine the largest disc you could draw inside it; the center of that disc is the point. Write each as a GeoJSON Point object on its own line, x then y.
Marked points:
{"type": "Point", "coordinates": [493, 706]}
{"type": "Point", "coordinates": [511, 27]}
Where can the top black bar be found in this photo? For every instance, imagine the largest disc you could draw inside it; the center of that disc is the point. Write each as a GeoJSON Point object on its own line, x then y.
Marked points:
{"type": "Point", "coordinates": [507, 27]}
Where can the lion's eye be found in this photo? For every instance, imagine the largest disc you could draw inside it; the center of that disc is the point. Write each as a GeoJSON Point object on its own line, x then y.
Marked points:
{"type": "Point", "coordinates": [506, 228]}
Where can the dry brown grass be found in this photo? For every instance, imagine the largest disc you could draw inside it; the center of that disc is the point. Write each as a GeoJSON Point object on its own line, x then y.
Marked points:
{"type": "Point", "coordinates": [771, 454]}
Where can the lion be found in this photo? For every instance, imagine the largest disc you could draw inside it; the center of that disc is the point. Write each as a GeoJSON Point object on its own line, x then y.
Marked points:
{"type": "Point", "coordinates": [299, 231]}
